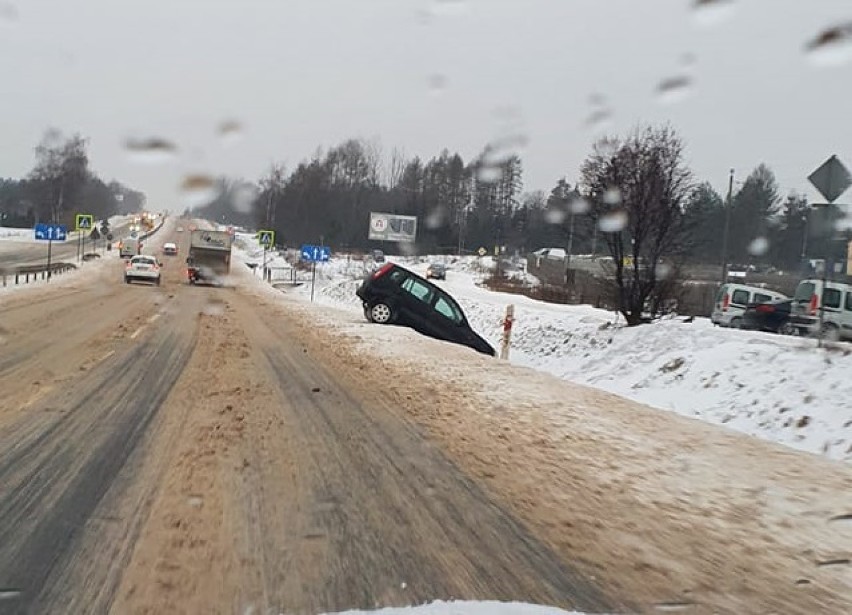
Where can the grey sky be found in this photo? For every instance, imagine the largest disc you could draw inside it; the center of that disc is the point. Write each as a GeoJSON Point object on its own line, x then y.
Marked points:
{"type": "Point", "coordinates": [305, 73]}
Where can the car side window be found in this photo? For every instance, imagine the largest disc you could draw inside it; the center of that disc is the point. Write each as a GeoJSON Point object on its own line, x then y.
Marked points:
{"type": "Point", "coordinates": [397, 276]}
{"type": "Point", "coordinates": [831, 298]}
{"type": "Point", "coordinates": [740, 297]}
{"type": "Point", "coordinates": [418, 289]}
{"type": "Point", "coordinates": [761, 298]}
{"type": "Point", "coordinates": [849, 301]}
{"type": "Point", "coordinates": [445, 306]}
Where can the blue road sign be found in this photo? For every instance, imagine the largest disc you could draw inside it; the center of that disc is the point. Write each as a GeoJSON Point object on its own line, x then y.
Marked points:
{"type": "Point", "coordinates": [50, 232]}
{"type": "Point", "coordinates": [316, 254]}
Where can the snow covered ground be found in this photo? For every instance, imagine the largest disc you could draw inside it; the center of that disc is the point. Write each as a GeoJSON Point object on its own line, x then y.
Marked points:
{"type": "Point", "coordinates": [27, 235]}
{"type": "Point", "coordinates": [468, 608]}
{"type": "Point", "coordinates": [773, 387]}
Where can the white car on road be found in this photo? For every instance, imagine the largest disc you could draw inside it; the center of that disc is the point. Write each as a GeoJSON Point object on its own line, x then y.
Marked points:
{"type": "Point", "coordinates": [142, 267]}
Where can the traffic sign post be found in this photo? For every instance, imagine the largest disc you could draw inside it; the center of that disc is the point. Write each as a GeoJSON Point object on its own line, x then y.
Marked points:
{"type": "Point", "coordinates": [265, 238]}
{"type": "Point", "coordinates": [315, 254]}
{"type": "Point", "coordinates": [50, 233]}
{"type": "Point", "coordinates": [82, 224]}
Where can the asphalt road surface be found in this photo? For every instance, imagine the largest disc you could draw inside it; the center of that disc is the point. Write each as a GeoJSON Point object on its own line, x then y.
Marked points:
{"type": "Point", "coordinates": [180, 450]}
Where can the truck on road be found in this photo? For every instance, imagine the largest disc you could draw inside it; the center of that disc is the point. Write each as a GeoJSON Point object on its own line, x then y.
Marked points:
{"type": "Point", "coordinates": [209, 258]}
{"type": "Point", "coordinates": [129, 247]}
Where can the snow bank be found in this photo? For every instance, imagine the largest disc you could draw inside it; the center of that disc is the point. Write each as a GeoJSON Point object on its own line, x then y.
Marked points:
{"type": "Point", "coordinates": [468, 608]}
{"type": "Point", "coordinates": [781, 389]}
{"type": "Point", "coordinates": [16, 234]}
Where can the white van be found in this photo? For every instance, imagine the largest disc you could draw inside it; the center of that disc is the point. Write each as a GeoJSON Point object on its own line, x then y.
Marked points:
{"type": "Point", "coordinates": [732, 299]}
{"type": "Point", "coordinates": [129, 247]}
{"type": "Point", "coordinates": [836, 305]}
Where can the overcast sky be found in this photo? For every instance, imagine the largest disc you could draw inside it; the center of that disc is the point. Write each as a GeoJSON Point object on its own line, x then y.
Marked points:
{"type": "Point", "coordinates": [299, 74]}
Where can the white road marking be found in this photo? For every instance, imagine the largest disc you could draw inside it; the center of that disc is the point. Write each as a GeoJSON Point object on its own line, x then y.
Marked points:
{"type": "Point", "coordinates": [137, 332]}
{"type": "Point", "coordinates": [107, 356]}
{"type": "Point", "coordinates": [154, 318]}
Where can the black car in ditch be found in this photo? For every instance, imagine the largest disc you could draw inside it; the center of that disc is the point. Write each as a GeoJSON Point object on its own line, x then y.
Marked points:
{"type": "Point", "coordinates": [769, 316]}
{"type": "Point", "coordinates": [395, 295]}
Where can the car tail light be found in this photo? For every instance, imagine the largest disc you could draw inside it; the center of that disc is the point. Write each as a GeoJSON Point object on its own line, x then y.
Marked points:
{"type": "Point", "coordinates": [814, 305]}
{"type": "Point", "coordinates": [726, 301]}
{"type": "Point", "coordinates": [765, 309]}
{"type": "Point", "coordinates": [382, 271]}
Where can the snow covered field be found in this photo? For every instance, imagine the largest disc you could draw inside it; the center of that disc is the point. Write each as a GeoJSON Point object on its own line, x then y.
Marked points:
{"type": "Point", "coordinates": [777, 388]}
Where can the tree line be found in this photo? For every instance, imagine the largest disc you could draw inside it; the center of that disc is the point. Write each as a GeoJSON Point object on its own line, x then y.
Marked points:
{"type": "Point", "coordinates": [62, 184]}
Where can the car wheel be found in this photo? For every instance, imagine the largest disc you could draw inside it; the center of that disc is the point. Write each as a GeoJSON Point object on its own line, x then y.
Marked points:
{"type": "Point", "coordinates": [788, 329]}
{"type": "Point", "coordinates": [158, 281]}
{"type": "Point", "coordinates": [736, 323]}
{"type": "Point", "coordinates": [381, 313]}
{"type": "Point", "coordinates": [126, 280]}
{"type": "Point", "coordinates": [830, 332]}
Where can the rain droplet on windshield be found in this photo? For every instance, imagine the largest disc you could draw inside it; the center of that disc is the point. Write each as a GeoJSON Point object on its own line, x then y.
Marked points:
{"type": "Point", "coordinates": [489, 174]}
{"type": "Point", "coordinates": [832, 46]}
{"type": "Point", "coordinates": [437, 83]}
{"type": "Point", "coordinates": [612, 196]}
{"type": "Point", "coordinates": [554, 216]}
{"type": "Point", "coordinates": [243, 197]}
{"type": "Point", "coordinates": [150, 150]}
{"type": "Point", "coordinates": [600, 119]}
{"type": "Point", "coordinates": [199, 190]}
{"type": "Point", "coordinates": [502, 149]}
{"type": "Point", "coordinates": [613, 222]}
{"type": "Point", "coordinates": [663, 271]}
{"type": "Point", "coordinates": [230, 131]}
{"type": "Point", "coordinates": [759, 246]}
{"type": "Point", "coordinates": [579, 206]}
{"type": "Point", "coordinates": [674, 89]}
{"type": "Point", "coordinates": [8, 12]}
{"type": "Point", "coordinates": [436, 218]}
{"type": "Point", "coordinates": [712, 12]}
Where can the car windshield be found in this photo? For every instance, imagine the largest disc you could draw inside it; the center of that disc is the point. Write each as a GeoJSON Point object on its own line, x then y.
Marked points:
{"type": "Point", "coordinates": [461, 306]}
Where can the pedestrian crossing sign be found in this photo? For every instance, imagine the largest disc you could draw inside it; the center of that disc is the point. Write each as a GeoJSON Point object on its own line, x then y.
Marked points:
{"type": "Point", "coordinates": [84, 222]}
{"type": "Point", "coordinates": [266, 238]}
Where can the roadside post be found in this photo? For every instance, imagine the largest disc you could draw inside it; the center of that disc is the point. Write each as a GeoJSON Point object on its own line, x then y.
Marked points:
{"type": "Point", "coordinates": [266, 238]}
{"type": "Point", "coordinates": [507, 332]}
{"type": "Point", "coordinates": [83, 223]}
{"type": "Point", "coordinates": [315, 254]}
{"type": "Point", "coordinates": [50, 233]}
{"type": "Point", "coordinates": [832, 178]}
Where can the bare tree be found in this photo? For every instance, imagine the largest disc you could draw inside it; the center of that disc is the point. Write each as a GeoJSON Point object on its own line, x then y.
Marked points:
{"type": "Point", "coordinates": [637, 189]}
{"type": "Point", "coordinates": [62, 166]}
{"type": "Point", "coordinates": [272, 186]}
{"type": "Point", "coordinates": [395, 168]}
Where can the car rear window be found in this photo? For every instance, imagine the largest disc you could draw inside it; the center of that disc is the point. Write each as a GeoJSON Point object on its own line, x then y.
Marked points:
{"type": "Point", "coordinates": [831, 298]}
{"type": "Point", "coordinates": [804, 292]}
{"type": "Point", "coordinates": [143, 261]}
{"type": "Point", "coordinates": [740, 297]}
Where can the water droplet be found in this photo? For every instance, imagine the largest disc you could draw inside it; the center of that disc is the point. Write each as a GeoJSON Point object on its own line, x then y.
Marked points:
{"type": "Point", "coordinates": [674, 89]}
{"type": "Point", "coordinates": [663, 271]}
{"type": "Point", "coordinates": [600, 119]}
{"type": "Point", "coordinates": [8, 12]}
{"type": "Point", "coordinates": [199, 190]}
{"type": "Point", "coordinates": [612, 196]}
{"type": "Point", "coordinates": [436, 218]}
{"type": "Point", "coordinates": [710, 13]}
{"type": "Point", "coordinates": [489, 174]}
{"type": "Point", "coordinates": [152, 150]}
{"type": "Point", "coordinates": [597, 100]}
{"type": "Point", "coordinates": [579, 206]}
{"type": "Point", "coordinates": [499, 151]}
{"type": "Point", "coordinates": [195, 501]}
{"type": "Point", "coordinates": [832, 46]}
{"type": "Point", "coordinates": [613, 222]}
{"type": "Point", "coordinates": [437, 83]}
{"type": "Point", "coordinates": [759, 246]}
{"type": "Point", "coordinates": [230, 131]}
{"type": "Point", "coordinates": [243, 197]}
{"type": "Point", "coordinates": [554, 216]}
{"type": "Point", "coordinates": [403, 585]}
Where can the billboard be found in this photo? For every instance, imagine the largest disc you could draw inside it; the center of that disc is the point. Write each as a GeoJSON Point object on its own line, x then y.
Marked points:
{"type": "Point", "coordinates": [391, 227]}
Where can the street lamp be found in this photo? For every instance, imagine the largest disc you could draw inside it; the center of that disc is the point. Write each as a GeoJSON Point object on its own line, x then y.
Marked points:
{"type": "Point", "coordinates": [727, 228]}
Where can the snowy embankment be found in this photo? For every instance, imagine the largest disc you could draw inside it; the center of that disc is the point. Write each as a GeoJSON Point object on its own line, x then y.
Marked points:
{"type": "Point", "coordinates": [777, 388]}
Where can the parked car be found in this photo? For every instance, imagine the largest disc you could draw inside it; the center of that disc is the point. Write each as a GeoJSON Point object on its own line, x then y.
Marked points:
{"type": "Point", "coordinates": [436, 271]}
{"type": "Point", "coordinates": [395, 295]}
{"type": "Point", "coordinates": [142, 267]}
{"type": "Point", "coordinates": [170, 249]}
{"type": "Point", "coordinates": [834, 300]}
{"type": "Point", "coordinates": [773, 317]}
{"type": "Point", "coordinates": [732, 300]}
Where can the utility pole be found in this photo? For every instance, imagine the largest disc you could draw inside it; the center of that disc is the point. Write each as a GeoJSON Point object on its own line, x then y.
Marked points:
{"type": "Point", "coordinates": [727, 227]}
